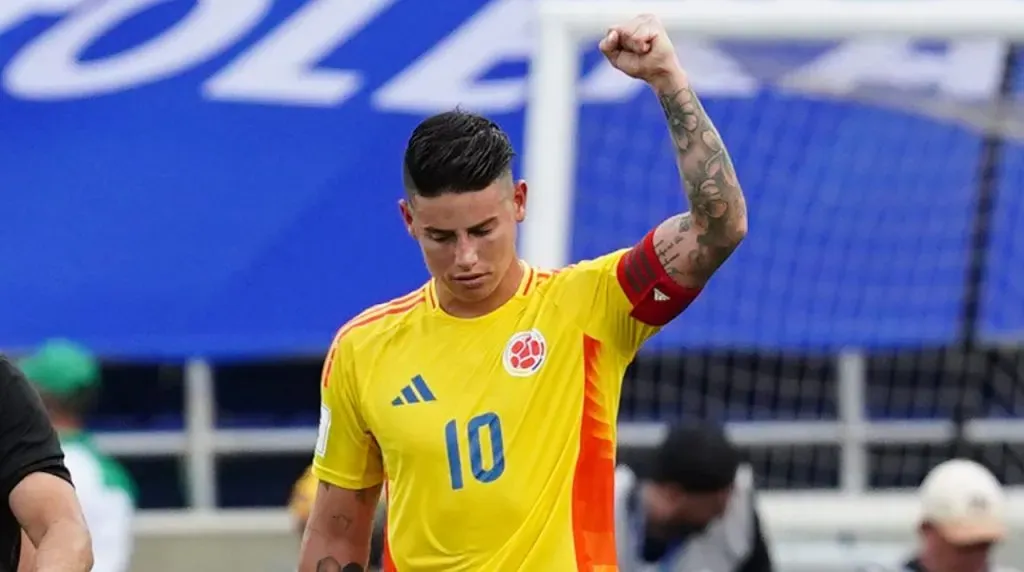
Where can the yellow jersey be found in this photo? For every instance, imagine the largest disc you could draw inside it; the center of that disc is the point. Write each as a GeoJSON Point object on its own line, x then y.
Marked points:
{"type": "Point", "coordinates": [496, 434]}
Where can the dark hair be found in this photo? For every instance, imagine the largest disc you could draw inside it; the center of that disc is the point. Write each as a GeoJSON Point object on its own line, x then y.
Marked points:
{"type": "Point", "coordinates": [696, 457]}
{"type": "Point", "coordinates": [455, 152]}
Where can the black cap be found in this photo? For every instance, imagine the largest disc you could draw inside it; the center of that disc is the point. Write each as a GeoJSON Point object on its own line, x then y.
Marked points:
{"type": "Point", "coordinates": [696, 457]}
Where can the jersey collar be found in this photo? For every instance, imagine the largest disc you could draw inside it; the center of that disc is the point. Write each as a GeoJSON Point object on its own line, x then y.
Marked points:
{"type": "Point", "coordinates": [526, 285]}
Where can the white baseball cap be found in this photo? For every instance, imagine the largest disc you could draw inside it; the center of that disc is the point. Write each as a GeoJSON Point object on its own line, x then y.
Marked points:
{"type": "Point", "coordinates": [964, 502]}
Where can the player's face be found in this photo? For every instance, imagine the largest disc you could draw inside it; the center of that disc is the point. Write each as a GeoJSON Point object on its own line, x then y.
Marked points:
{"type": "Point", "coordinates": [468, 239]}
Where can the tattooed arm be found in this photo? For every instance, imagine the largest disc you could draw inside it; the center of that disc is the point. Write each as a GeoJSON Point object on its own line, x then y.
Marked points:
{"type": "Point", "coordinates": [692, 245]}
{"type": "Point", "coordinates": [337, 537]}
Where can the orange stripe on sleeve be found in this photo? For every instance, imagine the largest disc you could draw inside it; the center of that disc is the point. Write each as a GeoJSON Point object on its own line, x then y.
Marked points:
{"type": "Point", "coordinates": [400, 306]}
{"type": "Point", "coordinates": [593, 487]}
{"type": "Point", "coordinates": [396, 306]}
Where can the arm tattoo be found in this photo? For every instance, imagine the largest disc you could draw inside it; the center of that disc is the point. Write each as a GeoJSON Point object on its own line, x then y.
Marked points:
{"type": "Point", "coordinates": [717, 209]}
{"type": "Point", "coordinates": [341, 520]}
{"type": "Point", "coordinates": [330, 564]}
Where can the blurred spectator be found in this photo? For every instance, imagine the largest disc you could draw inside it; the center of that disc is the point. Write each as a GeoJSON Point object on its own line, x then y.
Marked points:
{"type": "Point", "coordinates": [962, 519]}
{"type": "Point", "coordinates": [68, 378]}
{"type": "Point", "coordinates": [689, 508]}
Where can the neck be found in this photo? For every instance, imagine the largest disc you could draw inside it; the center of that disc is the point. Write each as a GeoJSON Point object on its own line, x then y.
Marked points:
{"type": "Point", "coordinates": [929, 563]}
{"type": "Point", "coordinates": [503, 293]}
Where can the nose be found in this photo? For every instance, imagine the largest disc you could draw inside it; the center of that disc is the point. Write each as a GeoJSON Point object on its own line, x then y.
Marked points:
{"type": "Point", "coordinates": [466, 255]}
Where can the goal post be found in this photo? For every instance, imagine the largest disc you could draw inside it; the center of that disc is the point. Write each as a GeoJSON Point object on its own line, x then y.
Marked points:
{"type": "Point", "coordinates": [865, 359]}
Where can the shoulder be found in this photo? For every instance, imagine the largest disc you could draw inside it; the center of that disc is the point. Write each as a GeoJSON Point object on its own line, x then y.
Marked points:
{"type": "Point", "coordinates": [583, 274]}
{"type": "Point", "coordinates": [20, 403]}
{"type": "Point", "coordinates": [11, 378]}
{"type": "Point", "coordinates": [744, 479]}
{"type": "Point", "coordinates": [743, 501]}
{"type": "Point", "coordinates": [598, 266]}
{"type": "Point", "coordinates": [383, 319]}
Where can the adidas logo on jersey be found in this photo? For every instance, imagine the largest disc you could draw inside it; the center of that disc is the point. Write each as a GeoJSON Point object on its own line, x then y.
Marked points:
{"type": "Point", "coordinates": [659, 296]}
{"type": "Point", "coordinates": [415, 392]}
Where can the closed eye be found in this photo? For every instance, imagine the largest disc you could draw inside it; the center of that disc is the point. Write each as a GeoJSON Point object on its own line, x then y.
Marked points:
{"type": "Point", "coordinates": [442, 237]}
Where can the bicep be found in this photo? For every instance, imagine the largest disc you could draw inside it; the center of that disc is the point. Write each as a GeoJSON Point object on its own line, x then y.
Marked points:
{"type": "Point", "coordinates": [685, 252]}
{"type": "Point", "coordinates": [42, 498]}
{"type": "Point", "coordinates": [632, 295]}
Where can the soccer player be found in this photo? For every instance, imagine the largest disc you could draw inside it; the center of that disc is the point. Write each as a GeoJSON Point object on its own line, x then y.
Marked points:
{"type": "Point", "coordinates": [963, 516]}
{"type": "Point", "coordinates": [690, 508]}
{"type": "Point", "coordinates": [485, 401]}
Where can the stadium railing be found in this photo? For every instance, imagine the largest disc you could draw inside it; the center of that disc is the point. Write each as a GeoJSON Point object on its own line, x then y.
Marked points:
{"type": "Point", "coordinates": [820, 531]}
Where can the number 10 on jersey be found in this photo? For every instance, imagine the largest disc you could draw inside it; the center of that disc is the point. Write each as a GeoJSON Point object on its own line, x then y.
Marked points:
{"type": "Point", "coordinates": [483, 436]}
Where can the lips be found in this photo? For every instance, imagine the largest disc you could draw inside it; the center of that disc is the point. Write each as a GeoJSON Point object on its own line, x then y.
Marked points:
{"type": "Point", "coordinates": [469, 277]}
{"type": "Point", "coordinates": [470, 280]}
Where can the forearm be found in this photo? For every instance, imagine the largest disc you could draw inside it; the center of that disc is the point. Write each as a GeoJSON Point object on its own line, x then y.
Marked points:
{"type": "Point", "coordinates": [718, 213]}
{"type": "Point", "coordinates": [337, 536]}
{"type": "Point", "coordinates": [322, 553]}
{"type": "Point", "coordinates": [64, 547]}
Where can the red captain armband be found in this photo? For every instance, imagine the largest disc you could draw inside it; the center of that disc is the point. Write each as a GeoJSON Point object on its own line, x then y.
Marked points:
{"type": "Point", "coordinates": [655, 296]}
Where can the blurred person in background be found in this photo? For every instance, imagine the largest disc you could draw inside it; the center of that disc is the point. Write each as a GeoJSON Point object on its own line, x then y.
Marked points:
{"type": "Point", "coordinates": [41, 524]}
{"type": "Point", "coordinates": [690, 507]}
{"type": "Point", "coordinates": [301, 501]}
{"type": "Point", "coordinates": [962, 519]}
{"type": "Point", "coordinates": [68, 378]}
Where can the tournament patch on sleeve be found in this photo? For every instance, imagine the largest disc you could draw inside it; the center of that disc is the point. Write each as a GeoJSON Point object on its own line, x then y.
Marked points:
{"type": "Point", "coordinates": [323, 431]}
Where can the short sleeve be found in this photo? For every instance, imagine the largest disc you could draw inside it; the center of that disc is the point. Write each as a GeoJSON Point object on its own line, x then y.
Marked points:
{"type": "Point", "coordinates": [347, 455]}
{"type": "Point", "coordinates": [625, 297]}
{"type": "Point", "coordinates": [28, 442]}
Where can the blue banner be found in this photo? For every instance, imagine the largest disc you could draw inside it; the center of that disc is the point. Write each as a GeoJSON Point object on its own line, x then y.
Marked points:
{"type": "Point", "coordinates": [220, 178]}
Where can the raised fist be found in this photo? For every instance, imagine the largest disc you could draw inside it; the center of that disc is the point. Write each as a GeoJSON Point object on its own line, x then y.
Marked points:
{"type": "Point", "coordinates": [641, 49]}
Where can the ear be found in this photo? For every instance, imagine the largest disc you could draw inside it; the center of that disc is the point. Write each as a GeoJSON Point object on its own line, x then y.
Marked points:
{"type": "Point", "coordinates": [519, 193]}
{"type": "Point", "coordinates": [405, 209]}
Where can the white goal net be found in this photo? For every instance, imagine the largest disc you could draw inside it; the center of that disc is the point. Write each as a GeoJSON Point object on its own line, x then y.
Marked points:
{"type": "Point", "coordinates": [879, 297]}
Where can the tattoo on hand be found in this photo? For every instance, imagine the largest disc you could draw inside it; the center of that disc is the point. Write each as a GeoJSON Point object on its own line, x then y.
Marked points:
{"type": "Point", "coordinates": [717, 208]}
